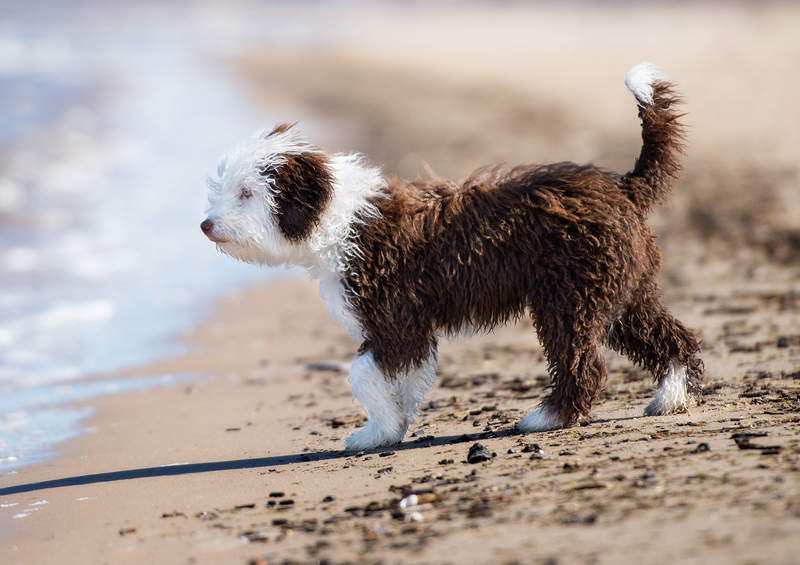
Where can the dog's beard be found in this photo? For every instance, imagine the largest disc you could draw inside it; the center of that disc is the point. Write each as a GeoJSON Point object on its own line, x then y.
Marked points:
{"type": "Point", "coordinates": [254, 254]}
{"type": "Point", "coordinates": [245, 253]}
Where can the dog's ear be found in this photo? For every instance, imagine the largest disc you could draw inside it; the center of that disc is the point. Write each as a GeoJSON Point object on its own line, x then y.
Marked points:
{"type": "Point", "coordinates": [303, 188]}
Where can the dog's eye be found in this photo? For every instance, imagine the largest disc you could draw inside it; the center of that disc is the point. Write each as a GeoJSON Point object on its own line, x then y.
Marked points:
{"type": "Point", "coordinates": [245, 193]}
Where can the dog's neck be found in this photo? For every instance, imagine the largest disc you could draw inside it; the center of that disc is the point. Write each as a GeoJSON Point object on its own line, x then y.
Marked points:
{"type": "Point", "coordinates": [334, 243]}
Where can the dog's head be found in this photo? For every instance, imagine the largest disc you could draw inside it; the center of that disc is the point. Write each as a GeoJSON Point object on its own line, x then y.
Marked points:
{"type": "Point", "coordinates": [270, 195]}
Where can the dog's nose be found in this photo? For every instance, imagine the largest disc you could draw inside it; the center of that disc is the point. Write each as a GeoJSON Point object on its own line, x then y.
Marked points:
{"type": "Point", "coordinates": [207, 226]}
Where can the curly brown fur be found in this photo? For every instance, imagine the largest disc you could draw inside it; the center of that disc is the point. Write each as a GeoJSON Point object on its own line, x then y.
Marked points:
{"type": "Point", "coordinates": [563, 242]}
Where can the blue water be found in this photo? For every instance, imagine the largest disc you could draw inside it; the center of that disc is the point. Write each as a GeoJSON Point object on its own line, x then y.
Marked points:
{"type": "Point", "coordinates": [113, 116]}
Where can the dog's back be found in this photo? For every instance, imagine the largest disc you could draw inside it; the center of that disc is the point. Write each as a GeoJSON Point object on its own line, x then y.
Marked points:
{"type": "Point", "coordinates": [478, 254]}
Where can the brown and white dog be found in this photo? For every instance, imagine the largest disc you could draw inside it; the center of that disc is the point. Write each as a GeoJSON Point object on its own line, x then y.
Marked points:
{"type": "Point", "coordinates": [403, 262]}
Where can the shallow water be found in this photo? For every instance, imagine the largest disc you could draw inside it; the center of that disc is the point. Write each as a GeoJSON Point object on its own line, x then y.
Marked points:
{"type": "Point", "coordinates": [113, 116]}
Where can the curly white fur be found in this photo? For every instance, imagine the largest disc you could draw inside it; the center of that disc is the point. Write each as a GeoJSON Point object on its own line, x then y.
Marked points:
{"type": "Point", "coordinates": [247, 229]}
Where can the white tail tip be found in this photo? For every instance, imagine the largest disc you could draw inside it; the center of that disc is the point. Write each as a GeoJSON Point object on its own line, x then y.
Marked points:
{"type": "Point", "coordinates": [640, 80]}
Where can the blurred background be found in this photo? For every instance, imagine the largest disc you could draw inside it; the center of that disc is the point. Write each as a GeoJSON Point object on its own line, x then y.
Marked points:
{"type": "Point", "coordinates": [114, 113]}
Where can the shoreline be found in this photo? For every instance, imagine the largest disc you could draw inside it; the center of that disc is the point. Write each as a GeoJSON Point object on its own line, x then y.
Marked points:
{"type": "Point", "coordinates": [188, 364]}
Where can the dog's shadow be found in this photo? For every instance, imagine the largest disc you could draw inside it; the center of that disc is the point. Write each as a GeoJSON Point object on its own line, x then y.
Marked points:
{"type": "Point", "coordinates": [264, 462]}
{"type": "Point", "coordinates": [257, 463]}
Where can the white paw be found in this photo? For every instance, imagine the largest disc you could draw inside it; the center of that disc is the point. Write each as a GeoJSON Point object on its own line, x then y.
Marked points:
{"type": "Point", "coordinates": [658, 407]}
{"type": "Point", "coordinates": [671, 396]}
{"type": "Point", "coordinates": [373, 435]}
{"type": "Point", "coordinates": [540, 420]}
{"type": "Point", "coordinates": [663, 405]}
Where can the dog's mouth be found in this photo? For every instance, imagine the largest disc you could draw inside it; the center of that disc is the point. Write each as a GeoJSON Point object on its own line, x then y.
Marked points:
{"type": "Point", "coordinates": [216, 238]}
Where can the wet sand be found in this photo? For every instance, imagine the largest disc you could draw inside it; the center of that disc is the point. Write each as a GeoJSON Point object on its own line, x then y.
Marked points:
{"type": "Point", "coordinates": [245, 465]}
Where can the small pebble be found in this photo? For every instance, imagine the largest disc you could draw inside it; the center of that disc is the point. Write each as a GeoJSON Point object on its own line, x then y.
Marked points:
{"type": "Point", "coordinates": [330, 366]}
{"type": "Point", "coordinates": [410, 500]}
{"type": "Point", "coordinates": [329, 498]}
{"type": "Point", "coordinates": [255, 536]}
{"type": "Point", "coordinates": [414, 517]}
{"type": "Point", "coordinates": [478, 453]}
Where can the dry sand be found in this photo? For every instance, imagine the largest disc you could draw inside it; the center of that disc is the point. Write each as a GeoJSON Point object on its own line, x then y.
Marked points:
{"type": "Point", "coordinates": [236, 467]}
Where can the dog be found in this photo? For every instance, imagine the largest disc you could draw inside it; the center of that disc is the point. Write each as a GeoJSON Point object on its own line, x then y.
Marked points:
{"type": "Point", "coordinates": [401, 263]}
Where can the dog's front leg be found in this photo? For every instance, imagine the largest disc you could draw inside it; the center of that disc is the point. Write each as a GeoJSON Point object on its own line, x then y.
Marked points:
{"type": "Point", "coordinates": [391, 403]}
{"type": "Point", "coordinates": [381, 399]}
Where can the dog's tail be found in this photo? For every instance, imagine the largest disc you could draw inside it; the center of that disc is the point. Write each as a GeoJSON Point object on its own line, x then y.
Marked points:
{"type": "Point", "coordinates": [662, 137]}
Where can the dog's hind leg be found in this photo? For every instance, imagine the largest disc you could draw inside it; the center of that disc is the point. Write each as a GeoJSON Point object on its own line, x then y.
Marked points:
{"type": "Point", "coordinates": [652, 338]}
{"type": "Point", "coordinates": [577, 370]}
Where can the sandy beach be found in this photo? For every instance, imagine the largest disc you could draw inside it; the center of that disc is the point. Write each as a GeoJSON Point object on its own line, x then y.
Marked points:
{"type": "Point", "coordinates": [243, 462]}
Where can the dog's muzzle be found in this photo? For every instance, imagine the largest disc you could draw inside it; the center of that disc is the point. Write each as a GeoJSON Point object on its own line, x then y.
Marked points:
{"type": "Point", "coordinates": [208, 228]}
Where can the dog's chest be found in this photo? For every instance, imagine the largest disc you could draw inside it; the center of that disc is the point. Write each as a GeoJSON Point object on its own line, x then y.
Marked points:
{"type": "Point", "coordinates": [332, 292]}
